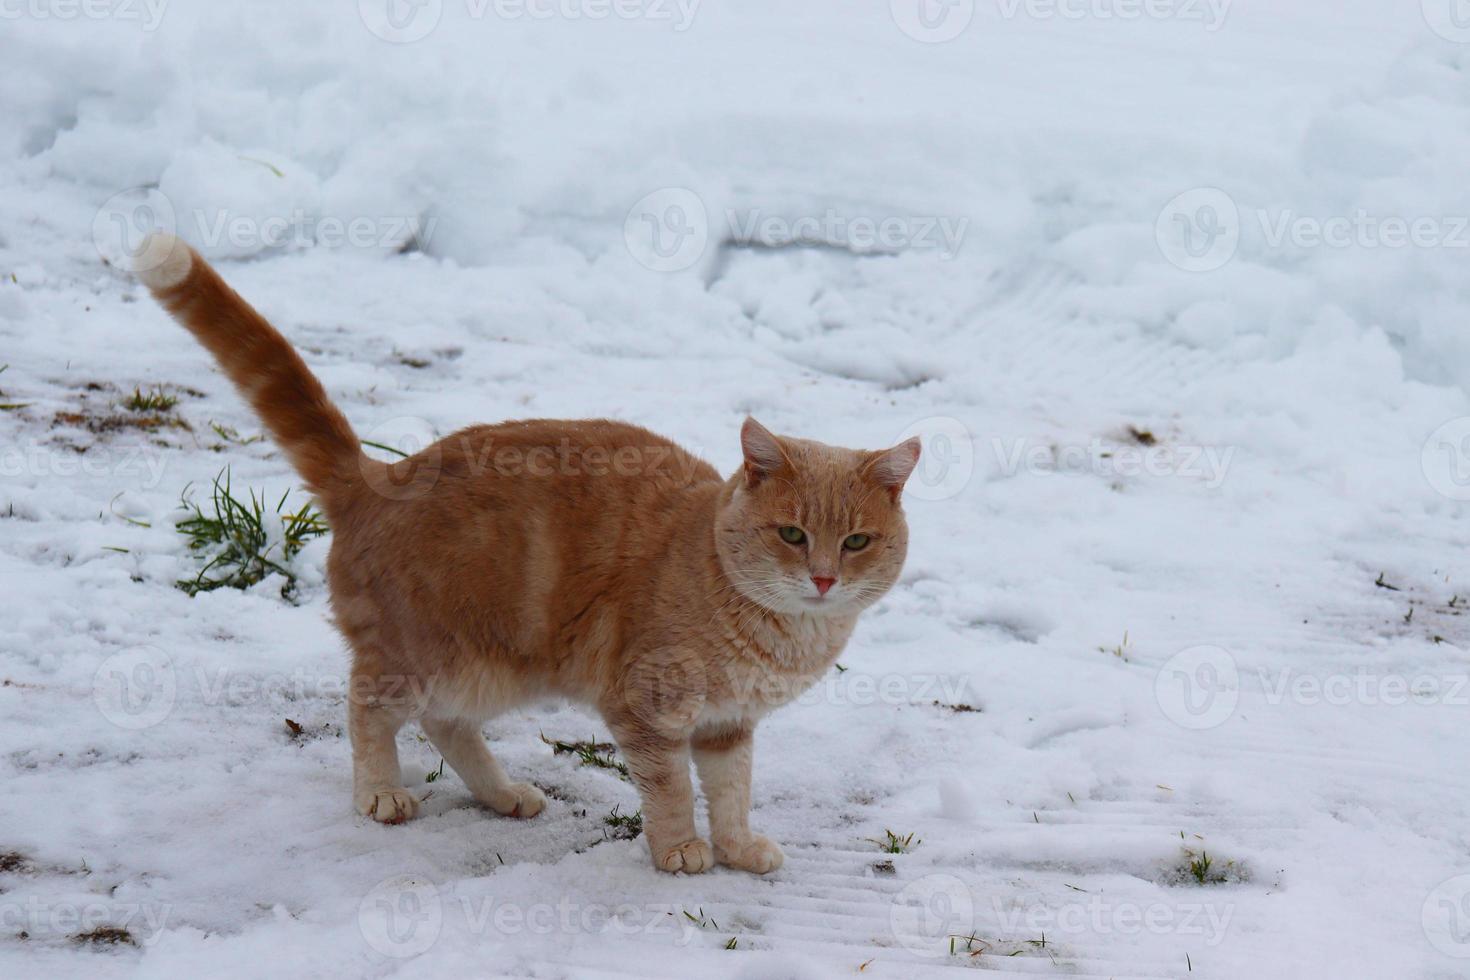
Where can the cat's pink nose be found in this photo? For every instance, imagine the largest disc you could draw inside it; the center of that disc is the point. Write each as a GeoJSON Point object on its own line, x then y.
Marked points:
{"type": "Point", "coordinates": [823, 583]}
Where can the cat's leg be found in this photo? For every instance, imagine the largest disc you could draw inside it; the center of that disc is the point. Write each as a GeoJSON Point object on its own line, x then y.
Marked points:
{"type": "Point", "coordinates": [377, 782]}
{"type": "Point", "coordinates": [723, 757]}
{"type": "Point", "coordinates": [464, 748]}
{"type": "Point", "coordinates": [659, 765]}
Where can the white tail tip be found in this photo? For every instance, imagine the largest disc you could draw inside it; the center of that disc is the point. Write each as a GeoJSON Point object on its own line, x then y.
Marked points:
{"type": "Point", "coordinates": [163, 261]}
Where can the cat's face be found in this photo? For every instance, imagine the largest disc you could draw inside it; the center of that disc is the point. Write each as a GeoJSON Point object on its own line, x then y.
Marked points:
{"type": "Point", "coordinates": [814, 529]}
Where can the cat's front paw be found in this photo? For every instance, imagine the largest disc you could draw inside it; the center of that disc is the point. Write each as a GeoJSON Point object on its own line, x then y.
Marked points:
{"type": "Point", "coordinates": [692, 856]}
{"type": "Point", "coordinates": [390, 805]}
{"type": "Point", "coordinates": [518, 800]}
{"type": "Point", "coordinates": [756, 854]}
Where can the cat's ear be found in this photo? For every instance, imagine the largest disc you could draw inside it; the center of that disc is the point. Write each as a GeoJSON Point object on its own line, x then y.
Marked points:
{"type": "Point", "coordinates": [763, 453]}
{"type": "Point", "coordinates": [891, 468]}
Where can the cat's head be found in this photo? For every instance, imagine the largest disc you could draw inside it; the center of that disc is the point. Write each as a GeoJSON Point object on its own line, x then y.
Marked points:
{"type": "Point", "coordinates": [814, 529]}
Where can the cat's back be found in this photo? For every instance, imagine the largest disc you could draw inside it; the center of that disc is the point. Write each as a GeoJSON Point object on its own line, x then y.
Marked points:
{"type": "Point", "coordinates": [530, 538]}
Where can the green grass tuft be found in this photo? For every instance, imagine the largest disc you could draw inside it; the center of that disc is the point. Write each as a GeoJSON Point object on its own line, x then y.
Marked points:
{"type": "Point", "coordinates": [894, 844]}
{"type": "Point", "coordinates": [596, 754]}
{"type": "Point", "coordinates": [240, 541]}
{"type": "Point", "coordinates": [623, 826]}
{"type": "Point", "coordinates": [702, 921]}
{"type": "Point", "coordinates": [230, 434]}
{"type": "Point", "coordinates": [156, 400]}
{"type": "Point", "coordinates": [105, 936]}
{"type": "Point", "coordinates": [1199, 868]}
{"type": "Point", "coordinates": [1120, 651]}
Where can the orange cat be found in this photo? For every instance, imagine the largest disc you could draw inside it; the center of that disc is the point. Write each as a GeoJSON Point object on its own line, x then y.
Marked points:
{"type": "Point", "coordinates": [586, 559]}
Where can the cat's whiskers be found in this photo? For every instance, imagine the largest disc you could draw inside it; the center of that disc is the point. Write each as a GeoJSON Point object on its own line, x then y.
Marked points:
{"type": "Point", "coordinates": [738, 593]}
{"type": "Point", "coordinates": [767, 585]}
{"type": "Point", "coordinates": [760, 596]}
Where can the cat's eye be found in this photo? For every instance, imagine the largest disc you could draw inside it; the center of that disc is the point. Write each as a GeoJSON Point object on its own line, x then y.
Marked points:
{"type": "Point", "coordinates": [792, 535]}
{"type": "Point", "coordinates": [855, 542]}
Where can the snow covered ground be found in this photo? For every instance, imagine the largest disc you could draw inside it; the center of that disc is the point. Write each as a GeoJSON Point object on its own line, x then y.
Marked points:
{"type": "Point", "coordinates": [1176, 292]}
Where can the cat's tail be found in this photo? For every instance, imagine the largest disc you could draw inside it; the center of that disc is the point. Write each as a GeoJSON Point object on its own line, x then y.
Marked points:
{"type": "Point", "coordinates": [265, 367]}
